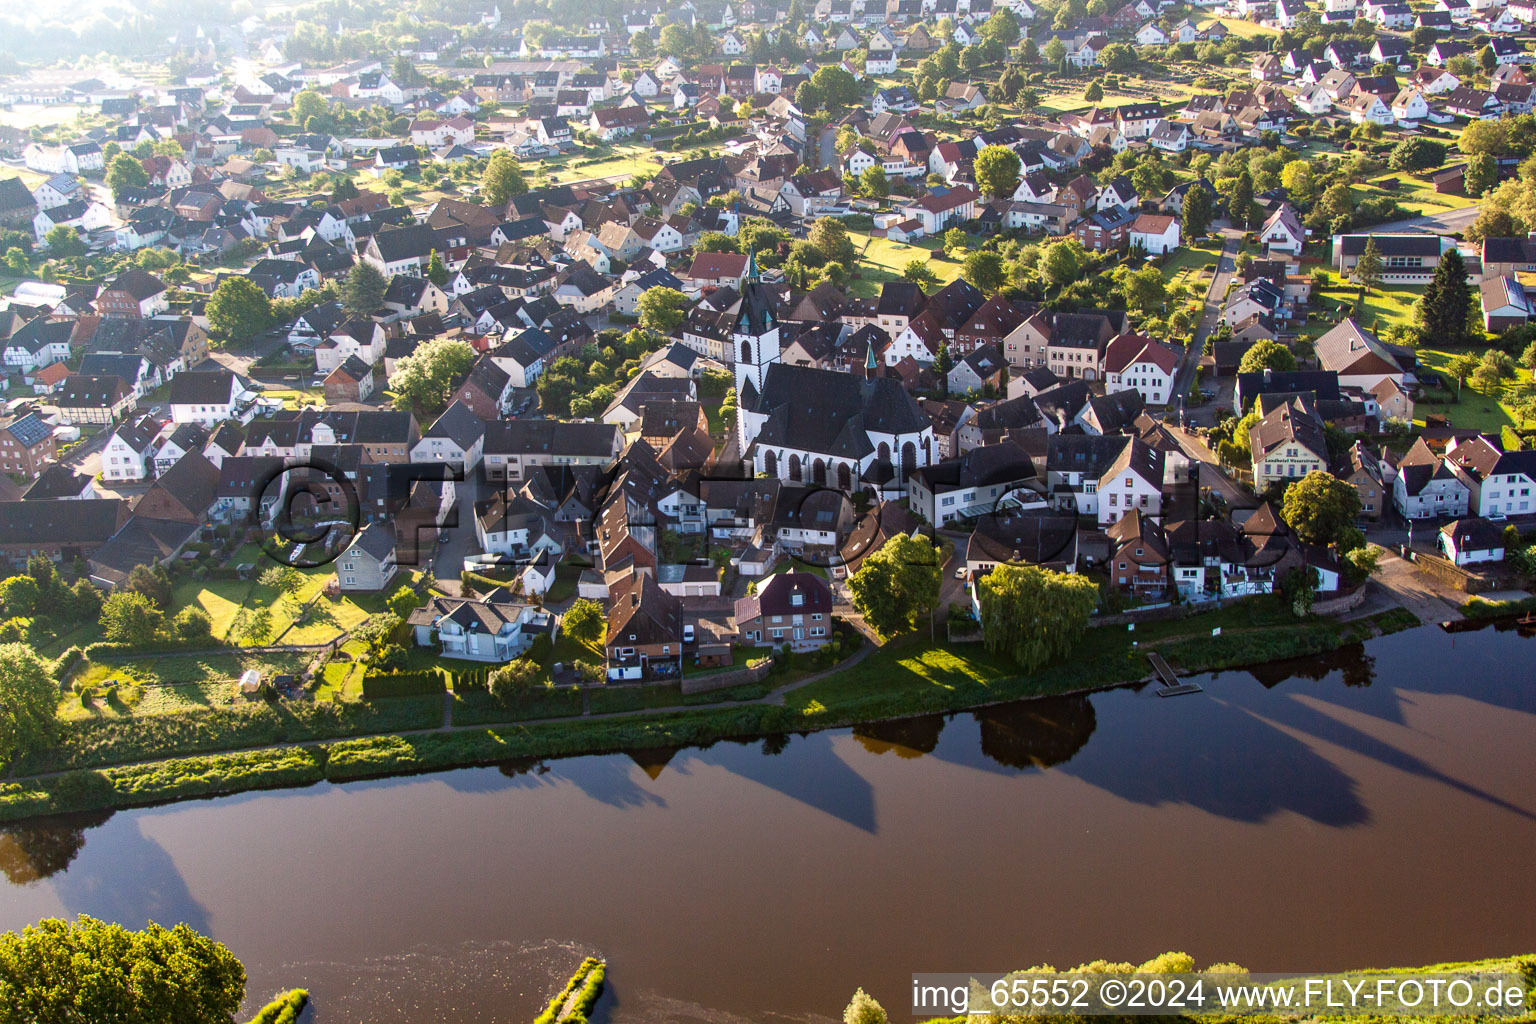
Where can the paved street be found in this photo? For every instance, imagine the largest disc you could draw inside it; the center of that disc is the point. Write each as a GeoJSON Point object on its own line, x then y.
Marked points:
{"type": "Point", "coordinates": [1415, 591]}
{"type": "Point", "coordinates": [1225, 267]}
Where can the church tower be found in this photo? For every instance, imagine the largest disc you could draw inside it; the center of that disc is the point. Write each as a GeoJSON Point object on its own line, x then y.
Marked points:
{"type": "Point", "coordinates": [755, 338]}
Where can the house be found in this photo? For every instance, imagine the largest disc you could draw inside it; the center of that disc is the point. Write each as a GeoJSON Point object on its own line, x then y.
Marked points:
{"type": "Point", "coordinates": [128, 455]}
{"type": "Point", "coordinates": [133, 293]}
{"type": "Point", "coordinates": [1144, 365]}
{"type": "Point", "coordinates": [351, 381]}
{"type": "Point", "coordinates": [495, 627]}
{"type": "Point", "coordinates": [716, 270]}
{"type": "Point", "coordinates": [645, 630]}
{"type": "Point", "coordinates": [611, 123]}
{"type": "Point", "coordinates": [368, 563]}
{"type": "Point", "coordinates": [1372, 477]}
{"type": "Point", "coordinates": [26, 444]}
{"type": "Point", "coordinates": [980, 482]}
{"type": "Point", "coordinates": [63, 531]}
{"type": "Point", "coordinates": [1287, 443]}
{"type": "Point", "coordinates": [980, 369]}
{"type": "Point", "coordinates": [1140, 558]}
{"type": "Point", "coordinates": [86, 398]}
{"type": "Point", "coordinates": [1358, 357]}
{"type": "Point", "coordinates": [1104, 476]}
{"type": "Point", "coordinates": [456, 438]}
{"type": "Point", "coordinates": [207, 397]}
{"type": "Point", "coordinates": [792, 609]}
{"type": "Point", "coordinates": [1498, 482]}
{"type": "Point", "coordinates": [1154, 233]}
{"type": "Point", "coordinates": [1505, 303]}
{"type": "Point", "coordinates": [1282, 232]}
{"type": "Point", "coordinates": [1471, 541]}
{"type": "Point", "coordinates": [1406, 258]}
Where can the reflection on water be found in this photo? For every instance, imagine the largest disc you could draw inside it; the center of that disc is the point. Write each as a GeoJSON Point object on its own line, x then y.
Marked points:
{"type": "Point", "coordinates": [761, 881]}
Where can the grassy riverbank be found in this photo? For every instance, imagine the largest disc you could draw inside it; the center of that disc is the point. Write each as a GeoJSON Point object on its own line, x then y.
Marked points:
{"type": "Point", "coordinates": [908, 677]}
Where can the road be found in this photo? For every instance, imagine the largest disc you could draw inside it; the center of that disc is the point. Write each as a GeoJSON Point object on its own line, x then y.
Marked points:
{"type": "Point", "coordinates": [1225, 267]}
{"type": "Point", "coordinates": [1448, 222]}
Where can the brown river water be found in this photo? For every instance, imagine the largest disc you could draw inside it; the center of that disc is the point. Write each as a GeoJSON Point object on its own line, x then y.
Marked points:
{"type": "Point", "coordinates": [1372, 808]}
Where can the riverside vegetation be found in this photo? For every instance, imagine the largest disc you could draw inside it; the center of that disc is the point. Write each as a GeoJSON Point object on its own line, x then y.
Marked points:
{"type": "Point", "coordinates": [906, 677]}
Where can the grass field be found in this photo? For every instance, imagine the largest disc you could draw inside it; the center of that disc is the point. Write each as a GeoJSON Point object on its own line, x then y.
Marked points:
{"type": "Point", "coordinates": [1414, 193]}
{"type": "Point", "coordinates": [1476, 410]}
{"type": "Point", "coordinates": [1247, 29]}
{"type": "Point", "coordinates": [1192, 268]}
{"type": "Point", "coordinates": [882, 260]}
{"type": "Point", "coordinates": [325, 619]}
{"type": "Point", "coordinates": [27, 116]}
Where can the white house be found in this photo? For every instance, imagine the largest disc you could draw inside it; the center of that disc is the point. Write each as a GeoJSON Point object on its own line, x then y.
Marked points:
{"type": "Point", "coordinates": [1154, 233]}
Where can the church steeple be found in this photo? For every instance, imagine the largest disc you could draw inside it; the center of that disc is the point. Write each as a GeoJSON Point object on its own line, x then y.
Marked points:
{"type": "Point", "coordinates": [869, 361]}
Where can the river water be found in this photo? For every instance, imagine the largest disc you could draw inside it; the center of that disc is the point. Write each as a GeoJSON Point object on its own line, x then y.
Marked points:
{"type": "Point", "coordinates": [1372, 808]}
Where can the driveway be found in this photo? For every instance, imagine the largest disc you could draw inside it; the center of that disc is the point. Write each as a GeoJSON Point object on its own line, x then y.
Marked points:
{"type": "Point", "coordinates": [1415, 591]}
{"type": "Point", "coordinates": [1226, 266]}
{"type": "Point", "coordinates": [454, 542]}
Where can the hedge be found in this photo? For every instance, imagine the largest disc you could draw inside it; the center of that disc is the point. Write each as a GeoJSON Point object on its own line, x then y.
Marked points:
{"type": "Point", "coordinates": [586, 985]}
{"type": "Point", "coordinates": [66, 662]}
{"type": "Point", "coordinates": [284, 1008]}
{"type": "Point", "coordinates": [420, 683]}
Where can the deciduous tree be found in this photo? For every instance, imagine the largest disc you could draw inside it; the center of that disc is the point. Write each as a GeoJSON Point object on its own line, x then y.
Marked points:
{"type": "Point", "coordinates": [898, 584]}
{"type": "Point", "coordinates": [424, 380]}
{"type": "Point", "coordinates": [364, 288]}
{"type": "Point", "coordinates": [238, 310]}
{"type": "Point", "coordinates": [997, 171]}
{"type": "Point", "coordinates": [1267, 354]}
{"type": "Point", "coordinates": [584, 622]}
{"type": "Point", "coordinates": [502, 179]}
{"type": "Point", "coordinates": [662, 309]}
{"type": "Point", "coordinates": [1320, 506]}
{"type": "Point", "coordinates": [29, 699]}
{"type": "Point", "coordinates": [1034, 614]}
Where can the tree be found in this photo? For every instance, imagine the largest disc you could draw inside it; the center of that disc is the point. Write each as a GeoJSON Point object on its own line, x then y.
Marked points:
{"type": "Point", "coordinates": [153, 582]}
{"type": "Point", "coordinates": [1417, 154]}
{"type": "Point", "coordinates": [1117, 57]}
{"type": "Point", "coordinates": [1369, 267]}
{"type": "Point", "coordinates": [91, 971]}
{"type": "Point", "coordinates": [1494, 367]}
{"type": "Point", "coordinates": [502, 179]}
{"type": "Point", "coordinates": [1320, 506]}
{"type": "Point", "coordinates": [513, 680]}
{"type": "Point", "coordinates": [943, 362]}
{"type": "Point", "coordinates": [1267, 354]}
{"type": "Point", "coordinates": [29, 699]}
{"type": "Point", "coordinates": [1488, 60]}
{"type": "Point", "coordinates": [125, 172]}
{"type": "Point", "coordinates": [20, 596]}
{"type": "Point", "coordinates": [1094, 92]}
{"type": "Point", "coordinates": [1462, 366]}
{"type": "Point", "coordinates": [255, 627]}
{"type": "Point", "coordinates": [873, 182]}
{"type": "Point", "coordinates": [437, 272]}
{"type": "Point", "coordinates": [919, 273]}
{"type": "Point", "coordinates": [193, 625]}
{"type": "Point", "coordinates": [1481, 174]}
{"type": "Point", "coordinates": [953, 241]}
{"type": "Point", "coordinates": [830, 237]}
{"type": "Point", "coordinates": [284, 579]}
{"type": "Point", "coordinates": [239, 310]}
{"type": "Point", "coordinates": [424, 380]}
{"type": "Point", "coordinates": [128, 617]}
{"type": "Point", "coordinates": [1297, 180]}
{"type": "Point", "coordinates": [1363, 561]}
{"type": "Point", "coordinates": [676, 41]}
{"type": "Point", "coordinates": [836, 87]}
{"type": "Point", "coordinates": [985, 270]}
{"type": "Point", "coordinates": [1034, 614]}
{"type": "Point", "coordinates": [1145, 289]}
{"type": "Point", "coordinates": [345, 189]}
{"type": "Point", "coordinates": [662, 310]}
{"type": "Point", "coordinates": [64, 241]}
{"type": "Point", "coordinates": [997, 171]}
{"type": "Point", "coordinates": [862, 1008]}
{"type": "Point", "coordinates": [364, 288]}
{"type": "Point", "coordinates": [1446, 303]}
{"type": "Point", "coordinates": [308, 103]}
{"type": "Point", "coordinates": [898, 584]}
{"type": "Point", "coordinates": [808, 97]}
{"type": "Point", "coordinates": [584, 622]}
{"type": "Point", "coordinates": [1197, 212]}
{"type": "Point", "coordinates": [642, 46]}
{"type": "Point", "coordinates": [1062, 262]}
{"type": "Point", "coordinates": [1055, 51]}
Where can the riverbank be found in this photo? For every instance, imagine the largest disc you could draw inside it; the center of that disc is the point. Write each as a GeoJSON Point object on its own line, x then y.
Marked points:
{"type": "Point", "coordinates": [904, 679]}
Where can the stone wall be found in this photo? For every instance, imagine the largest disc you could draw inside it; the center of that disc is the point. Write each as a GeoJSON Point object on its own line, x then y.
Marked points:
{"type": "Point", "coordinates": [725, 680]}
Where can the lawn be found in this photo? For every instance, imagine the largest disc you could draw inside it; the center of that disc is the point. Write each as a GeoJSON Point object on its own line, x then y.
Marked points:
{"type": "Point", "coordinates": [882, 260]}
{"type": "Point", "coordinates": [1415, 194]}
{"type": "Point", "coordinates": [1476, 410]}
{"type": "Point", "coordinates": [1192, 268]}
{"type": "Point", "coordinates": [156, 686]}
{"type": "Point", "coordinates": [27, 116]}
{"type": "Point", "coordinates": [326, 618]}
{"type": "Point", "coordinates": [1247, 29]}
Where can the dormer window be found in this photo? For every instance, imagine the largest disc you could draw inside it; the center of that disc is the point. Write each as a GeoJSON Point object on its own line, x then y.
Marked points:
{"type": "Point", "coordinates": [797, 599]}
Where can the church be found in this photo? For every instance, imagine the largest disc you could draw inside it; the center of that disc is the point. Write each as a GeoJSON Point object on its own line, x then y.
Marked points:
{"type": "Point", "coordinates": [799, 423]}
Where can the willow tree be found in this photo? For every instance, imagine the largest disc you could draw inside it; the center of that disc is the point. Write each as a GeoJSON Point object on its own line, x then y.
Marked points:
{"type": "Point", "coordinates": [1034, 614]}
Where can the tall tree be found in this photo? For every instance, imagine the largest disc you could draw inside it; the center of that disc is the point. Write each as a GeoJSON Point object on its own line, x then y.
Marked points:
{"type": "Point", "coordinates": [129, 617]}
{"type": "Point", "coordinates": [29, 699]}
{"type": "Point", "coordinates": [1446, 303]}
{"type": "Point", "coordinates": [1482, 174]}
{"type": "Point", "coordinates": [125, 172]}
{"type": "Point", "coordinates": [88, 970]}
{"type": "Point", "coordinates": [437, 272]}
{"type": "Point", "coordinates": [424, 380]}
{"type": "Point", "coordinates": [238, 310]}
{"type": "Point", "coordinates": [1034, 614]}
{"type": "Point", "coordinates": [1267, 354]}
{"type": "Point", "coordinates": [1369, 267]}
{"type": "Point", "coordinates": [985, 270]}
{"type": "Point", "coordinates": [502, 179]}
{"type": "Point", "coordinates": [1197, 212]}
{"type": "Point", "coordinates": [662, 309]}
{"type": "Point", "coordinates": [898, 584]}
{"type": "Point", "coordinates": [364, 288]}
{"type": "Point", "coordinates": [997, 171]}
{"type": "Point", "coordinates": [1320, 506]}
{"type": "Point", "coordinates": [584, 622]}
{"type": "Point", "coordinates": [830, 236]}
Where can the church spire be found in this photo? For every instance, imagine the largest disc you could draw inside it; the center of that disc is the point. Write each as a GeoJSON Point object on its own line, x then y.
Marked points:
{"type": "Point", "coordinates": [869, 360]}
{"type": "Point", "coordinates": [751, 263]}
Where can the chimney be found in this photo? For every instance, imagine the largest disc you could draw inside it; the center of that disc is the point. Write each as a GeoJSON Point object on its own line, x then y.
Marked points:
{"type": "Point", "coordinates": [1268, 375]}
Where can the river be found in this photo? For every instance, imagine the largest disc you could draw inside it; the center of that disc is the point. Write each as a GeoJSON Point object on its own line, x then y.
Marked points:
{"type": "Point", "coordinates": [1371, 808]}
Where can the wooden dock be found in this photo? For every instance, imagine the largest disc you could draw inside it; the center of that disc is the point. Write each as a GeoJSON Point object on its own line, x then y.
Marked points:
{"type": "Point", "coordinates": [1172, 685]}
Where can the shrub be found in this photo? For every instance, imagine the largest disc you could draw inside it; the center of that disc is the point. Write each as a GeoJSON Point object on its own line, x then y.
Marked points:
{"type": "Point", "coordinates": [419, 683]}
{"type": "Point", "coordinates": [512, 680]}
